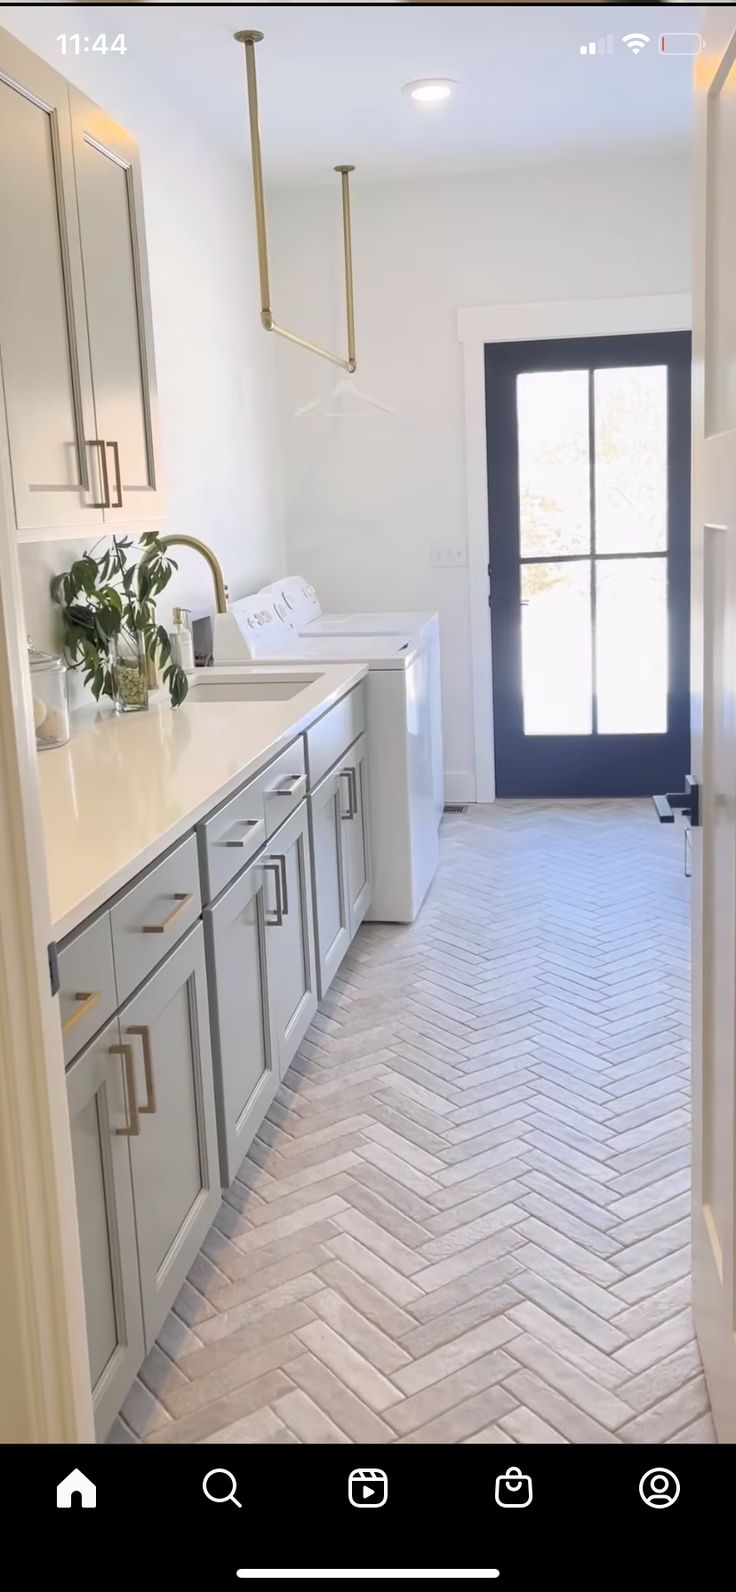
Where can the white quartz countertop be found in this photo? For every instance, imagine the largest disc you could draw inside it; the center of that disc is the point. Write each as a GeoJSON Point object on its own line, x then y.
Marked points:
{"type": "Point", "coordinates": [127, 786]}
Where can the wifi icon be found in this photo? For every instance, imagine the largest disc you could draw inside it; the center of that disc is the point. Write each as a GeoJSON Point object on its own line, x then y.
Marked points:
{"type": "Point", "coordinates": [636, 41]}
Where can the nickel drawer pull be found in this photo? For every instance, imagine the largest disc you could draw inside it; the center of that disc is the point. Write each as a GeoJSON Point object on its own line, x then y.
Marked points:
{"type": "Point", "coordinates": [295, 787]}
{"type": "Point", "coordinates": [134, 1127]}
{"type": "Point", "coordinates": [182, 899]}
{"type": "Point", "coordinates": [248, 823]}
{"type": "Point", "coordinates": [118, 482]}
{"type": "Point", "coordinates": [274, 866]}
{"type": "Point", "coordinates": [104, 501]}
{"type": "Point", "coordinates": [144, 1034]}
{"type": "Point", "coordinates": [88, 999]}
{"type": "Point", "coordinates": [349, 775]}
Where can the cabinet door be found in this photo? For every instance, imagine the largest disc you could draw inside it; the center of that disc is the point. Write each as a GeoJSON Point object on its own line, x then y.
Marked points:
{"type": "Point", "coordinates": [354, 772]}
{"type": "Point", "coordinates": [176, 1183]}
{"type": "Point", "coordinates": [118, 309]}
{"type": "Point", "coordinates": [329, 812]}
{"type": "Point", "coordinates": [101, 1119]}
{"type": "Point", "coordinates": [55, 465]}
{"type": "Point", "coordinates": [246, 1070]}
{"type": "Point", "coordinates": [290, 960]}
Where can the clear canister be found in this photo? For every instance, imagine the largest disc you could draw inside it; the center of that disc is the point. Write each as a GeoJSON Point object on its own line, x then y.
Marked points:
{"type": "Point", "coordinates": [50, 698]}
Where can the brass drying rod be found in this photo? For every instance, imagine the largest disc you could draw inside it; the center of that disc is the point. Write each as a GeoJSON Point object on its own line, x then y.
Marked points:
{"type": "Point", "coordinates": [249, 39]}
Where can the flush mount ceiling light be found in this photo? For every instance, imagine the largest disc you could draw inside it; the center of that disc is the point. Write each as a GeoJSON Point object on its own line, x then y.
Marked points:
{"type": "Point", "coordinates": [430, 90]}
{"type": "Point", "coordinates": [346, 398]}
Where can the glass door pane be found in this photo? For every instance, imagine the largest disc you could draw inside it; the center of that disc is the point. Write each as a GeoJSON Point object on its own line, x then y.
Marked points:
{"type": "Point", "coordinates": [631, 645]}
{"type": "Point", "coordinates": [631, 459]}
{"type": "Point", "coordinates": [557, 671]}
{"type": "Point", "coordinates": [554, 477]}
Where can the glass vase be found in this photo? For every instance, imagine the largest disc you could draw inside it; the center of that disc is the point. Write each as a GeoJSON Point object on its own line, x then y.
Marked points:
{"type": "Point", "coordinates": [130, 673]}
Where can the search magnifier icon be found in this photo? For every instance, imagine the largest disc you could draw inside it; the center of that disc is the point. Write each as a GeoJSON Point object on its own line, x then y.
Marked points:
{"type": "Point", "coordinates": [218, 1497]}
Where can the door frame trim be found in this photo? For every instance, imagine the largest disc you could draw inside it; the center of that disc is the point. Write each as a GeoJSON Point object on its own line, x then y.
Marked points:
{"type": "Point", "coordinates": [504, 323]}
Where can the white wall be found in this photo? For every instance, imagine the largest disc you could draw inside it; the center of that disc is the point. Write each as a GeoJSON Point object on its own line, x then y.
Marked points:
{"type": "Point", "coordinates": [366, 500]}
{"type": "Point", "coordinates": [215, 365]}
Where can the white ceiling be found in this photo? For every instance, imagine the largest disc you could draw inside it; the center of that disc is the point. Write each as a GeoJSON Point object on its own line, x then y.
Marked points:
{"type": "Point", "coordinates": [330, 81]}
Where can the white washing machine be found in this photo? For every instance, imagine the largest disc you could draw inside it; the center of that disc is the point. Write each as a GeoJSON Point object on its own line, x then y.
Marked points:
{"type": "Point", "coordinates": [304, 609]}
{"type": "Point", "coordinates": [403, 820]}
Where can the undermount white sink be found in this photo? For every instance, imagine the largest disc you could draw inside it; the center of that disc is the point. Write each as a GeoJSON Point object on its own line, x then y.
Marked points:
{"type": "Point", "coordinates": [234, 688]}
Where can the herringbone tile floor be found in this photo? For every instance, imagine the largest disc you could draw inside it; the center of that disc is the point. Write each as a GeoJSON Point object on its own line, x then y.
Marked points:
{"type": "Point", "coordinates": [466, 1217]}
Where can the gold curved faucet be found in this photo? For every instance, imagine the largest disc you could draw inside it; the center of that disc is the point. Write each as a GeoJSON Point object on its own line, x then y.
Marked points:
{"type": "Point", "coordinates": [210, 558]}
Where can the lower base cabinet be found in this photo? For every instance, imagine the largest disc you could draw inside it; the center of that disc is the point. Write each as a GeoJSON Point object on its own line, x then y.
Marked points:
{"type": "Point", "coordinates": [246, 1067]}
{"type": "Point", "coordinates": [262, 984]}
{"type": "Point", "coordinates": [341, 857]}
{"type": "Point", "coordinates": [100, 1124]}
{"type": "Point", "coordinates": [292, 977]}
{"type": "Point", "coordinates": [174, 1160]}
{"type": "Point", "coordinates": [146, 1167]}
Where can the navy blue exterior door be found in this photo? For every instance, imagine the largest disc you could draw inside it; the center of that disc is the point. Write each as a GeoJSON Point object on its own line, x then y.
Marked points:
{"type": "Point", "coordinates": [589, 520]}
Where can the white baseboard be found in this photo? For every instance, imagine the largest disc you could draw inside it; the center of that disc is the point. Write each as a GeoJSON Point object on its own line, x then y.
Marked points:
{"type": "Point", "coordinates": [459, 787]}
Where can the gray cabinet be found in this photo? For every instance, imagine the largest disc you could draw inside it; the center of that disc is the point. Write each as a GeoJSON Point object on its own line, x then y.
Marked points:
{"type": "Point", "coordinates": [174, 1162]}
{"type": "Point", "coordinates": [292, 979]}
{"type": "Point", "coordinates": [102, 1115]}
{"type": "Point", "coordinates": [331, 905]}
{"type": "Point", "coordinates": [341, 859]}
{"type": "Point", "coordinates": [76, 344]}
{"type": "Point", "coordinates": [246, 1068]}
{"type": "Point", "coordinates": [357, 834]}
{"type": "Point", "coordinates": [44, 349]}
{"type": "Point", "coordinates": [107, 169]}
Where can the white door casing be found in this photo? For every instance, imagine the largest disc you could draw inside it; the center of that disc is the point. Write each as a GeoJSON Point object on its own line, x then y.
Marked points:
{"type": "Point", "coordinates": [714, 717]}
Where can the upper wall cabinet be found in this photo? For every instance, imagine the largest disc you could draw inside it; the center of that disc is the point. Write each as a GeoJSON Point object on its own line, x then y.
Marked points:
{"type": "Point", "coordinates": [76, 345]}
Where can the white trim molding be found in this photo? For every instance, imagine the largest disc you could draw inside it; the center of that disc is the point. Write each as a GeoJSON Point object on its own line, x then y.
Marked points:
{"type": "Point", "coordinates": [506, 323]}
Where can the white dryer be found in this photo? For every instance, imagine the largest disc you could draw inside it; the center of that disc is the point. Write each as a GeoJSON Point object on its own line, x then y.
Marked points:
{"type": "Point", "coordinates": [404, 843]}
{"type": "Point", "coordinates": [299, 599]}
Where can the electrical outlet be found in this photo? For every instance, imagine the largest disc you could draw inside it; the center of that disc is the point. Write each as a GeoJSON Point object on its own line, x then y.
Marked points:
{"type": "Point", "coordinates": [447, 555]}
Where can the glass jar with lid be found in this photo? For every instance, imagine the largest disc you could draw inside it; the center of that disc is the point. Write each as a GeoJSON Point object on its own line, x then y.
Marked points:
{"type": "Point", "coordinates": [50, 698]}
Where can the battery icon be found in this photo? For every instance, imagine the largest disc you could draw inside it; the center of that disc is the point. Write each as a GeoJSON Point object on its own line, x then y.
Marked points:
{"type": "Point", "coordinates": [680, 43]}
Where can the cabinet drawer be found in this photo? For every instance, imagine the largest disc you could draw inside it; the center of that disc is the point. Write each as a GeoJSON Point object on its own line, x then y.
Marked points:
{"type": "Point", "coordinates": [334, 733]}
{"type": "Point", "coordinates": [230, 838]}
{"type": "Point", "coordinates": [86, 985]}
{"type": "Point", "coordinates": [284, 785]}
{"type": "Point", "coordinates": [152, 916]}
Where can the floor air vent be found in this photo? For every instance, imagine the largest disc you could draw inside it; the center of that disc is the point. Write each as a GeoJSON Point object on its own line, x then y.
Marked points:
{"type": "Point", "coordinates": [454, 807]}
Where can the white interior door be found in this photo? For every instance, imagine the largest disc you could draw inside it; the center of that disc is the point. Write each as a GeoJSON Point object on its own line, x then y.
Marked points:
{"type": "Point", "coordinates": [714, 716]}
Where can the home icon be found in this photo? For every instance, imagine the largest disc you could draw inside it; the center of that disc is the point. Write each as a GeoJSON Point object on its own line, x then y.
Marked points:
{"type": "Point", "coordinates": [76, 1491]}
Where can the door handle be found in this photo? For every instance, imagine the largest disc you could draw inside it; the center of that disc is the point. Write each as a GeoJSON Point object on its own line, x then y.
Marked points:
{"type": "Point", "coordinates": [87, 1000]}
{"type": "Point", "coordinates": [182, 899]}
{"type": "Point", "coordinates": [296, 786]}
{"type": "Point", "coordinates": [273, 865]}
{"type": "Point", "coordinates": [133, 1128]}
{"type": "Point", "coordinates": [347, 773]}
{"type": "Point", "coordinates": [685, 801]}
{"type": "Point", "coordinates": [118, 481]}
{"type": "Point", "coordinates": [144, 1034]}
{"type": "Point", "coordinates": [248, 823]}
{"type": "Point", "coordinates": [104, 501]}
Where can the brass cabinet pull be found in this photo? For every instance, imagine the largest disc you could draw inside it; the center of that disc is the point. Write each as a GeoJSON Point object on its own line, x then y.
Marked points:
{"type": "Point", "coordinates": [134, 1127]}
{"type": "Point", "coordinates": [118, 482]}
{"type": "Point", "coordinates": [296, 786]}
{"type": "Point", "coordinates": [353, 772]}
{"type": "Point", "coordinates": [348, 773]}
{"type": "Point", "coordinates": [88, 999]}
{"type": "Point", "coordinates": [144, 1034]}
{"type": "Point", "coordinates": [248, 823]}
{"type": "Point", "coordinates": [104, 501]}
{"type": "Point", "coordinates": [182, 899]}
{"type": "Point", "coordinates": [273, 865]}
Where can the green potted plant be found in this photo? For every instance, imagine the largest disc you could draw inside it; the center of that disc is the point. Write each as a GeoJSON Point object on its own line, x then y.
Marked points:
{"type": "Point", "coordinates": [108, 604]}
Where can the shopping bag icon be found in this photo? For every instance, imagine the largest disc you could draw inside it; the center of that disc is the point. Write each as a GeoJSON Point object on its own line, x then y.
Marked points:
{"type": "Point", "coordinates": [514, 1490]}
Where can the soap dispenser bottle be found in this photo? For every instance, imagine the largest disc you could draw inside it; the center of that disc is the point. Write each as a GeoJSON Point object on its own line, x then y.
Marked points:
{"type": "Point", "coordinates": [180, 636]}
